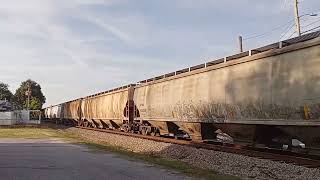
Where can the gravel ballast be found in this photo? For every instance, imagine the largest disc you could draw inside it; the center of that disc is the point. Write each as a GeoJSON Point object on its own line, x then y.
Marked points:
{"type": "Point", "coordinates": [221, 162]}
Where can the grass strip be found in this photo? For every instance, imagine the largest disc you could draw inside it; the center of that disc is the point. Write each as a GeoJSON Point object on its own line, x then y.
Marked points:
{"type": "Point", "coordinates": [178, 166]}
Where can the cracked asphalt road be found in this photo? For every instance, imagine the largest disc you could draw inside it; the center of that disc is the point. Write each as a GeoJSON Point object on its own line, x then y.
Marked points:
{"type": "Point", "coordinates": [35, 159]}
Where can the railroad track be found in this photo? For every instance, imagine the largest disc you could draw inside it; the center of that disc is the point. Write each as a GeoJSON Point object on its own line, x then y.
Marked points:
{"type": "Point", "coordinates": [310, 161]}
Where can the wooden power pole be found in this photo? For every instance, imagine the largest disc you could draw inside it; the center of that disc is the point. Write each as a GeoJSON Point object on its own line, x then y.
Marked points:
{"type": "Point", "coordinates": [28, 93]}
{"type": "Point", "coordinates": [297, 18]}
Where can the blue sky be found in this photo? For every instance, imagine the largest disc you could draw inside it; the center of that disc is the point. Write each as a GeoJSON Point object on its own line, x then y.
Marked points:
{"type": "Point", "coordinates": [75, 48]}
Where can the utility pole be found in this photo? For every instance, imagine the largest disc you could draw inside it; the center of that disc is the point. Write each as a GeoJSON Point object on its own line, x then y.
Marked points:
{"type": "Point", "coordinates": [28, 93]}
{"type": "Point", "coordinates": [240, 44]}
{"type": "Point", "coordinates": [297, 18]}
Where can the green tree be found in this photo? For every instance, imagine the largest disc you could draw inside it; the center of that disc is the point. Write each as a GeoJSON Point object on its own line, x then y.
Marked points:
{"type": "Point", "coordinates": [37, 99]}
{"type": "Point", "coordinates": [5, 93]}
{"type": "Point", "coordinates": [35, 103]}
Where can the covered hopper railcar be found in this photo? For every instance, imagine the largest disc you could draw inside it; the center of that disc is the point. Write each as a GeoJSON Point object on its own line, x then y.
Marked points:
{"type": "Point", "coordinates": [270, 97]}
{"type": "Point", "coordinates": [108, 109]}
{"type": "Point", "coordinates": [71, 111]}
{"type": "Point", "coordinates": [53, 112]}
{"type": "Point", "coordinates": [266, 95]}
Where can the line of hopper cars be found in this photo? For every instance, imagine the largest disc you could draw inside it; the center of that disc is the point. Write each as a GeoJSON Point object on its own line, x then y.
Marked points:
{"type": "Point", "coordinates": [269, 95]}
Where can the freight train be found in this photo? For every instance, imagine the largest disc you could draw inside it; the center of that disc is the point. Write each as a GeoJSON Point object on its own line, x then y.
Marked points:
{"type": "Point", "coordinates": [269, 95]}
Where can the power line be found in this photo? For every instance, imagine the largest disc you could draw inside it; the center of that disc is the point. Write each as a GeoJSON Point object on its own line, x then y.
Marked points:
{"type": "Point", "coordinates": [265, 33]}
{"type": "Point", "coordinates": [287, 26]}
{"type": "Point", "coordinates": [311, 29]}
{"type": "Point", "coordinates": [313, 11]}
{"type": "Point", "coordinates": [284, 3]}
{"type": "Point", "coordinates": [286, 31]}
{"type": "Point", "coordinates": [276, 28]}
{"type": "Point", "coordinates": [291, 34]}
{"type": "Point", "coordinates": [312, 23]}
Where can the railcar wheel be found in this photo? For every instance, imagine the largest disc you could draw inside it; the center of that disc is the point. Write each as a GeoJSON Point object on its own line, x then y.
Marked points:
{"type": "Point", "coordinates": [155, 132]}
{"type": "Point", "coordinates": [144, 132]}
{"type": "Point", "coordinates": [125, 128]}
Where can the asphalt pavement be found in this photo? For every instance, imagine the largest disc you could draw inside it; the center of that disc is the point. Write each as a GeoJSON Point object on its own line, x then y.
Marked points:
{"type": "Point", "coordinates": [45, 159]}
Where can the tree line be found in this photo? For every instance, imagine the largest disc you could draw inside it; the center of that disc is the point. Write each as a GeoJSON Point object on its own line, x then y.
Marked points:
{"type": "Point", "coordinates": [19, 98]}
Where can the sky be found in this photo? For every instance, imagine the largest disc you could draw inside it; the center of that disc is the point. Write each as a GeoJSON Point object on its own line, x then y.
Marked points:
{"type": "Point", "coordinates": [74, 48]}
